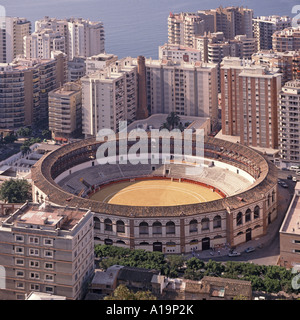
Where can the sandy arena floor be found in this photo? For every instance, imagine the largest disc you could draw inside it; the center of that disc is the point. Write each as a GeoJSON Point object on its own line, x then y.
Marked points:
{"type": "Point", "coordinates": [155, 193]}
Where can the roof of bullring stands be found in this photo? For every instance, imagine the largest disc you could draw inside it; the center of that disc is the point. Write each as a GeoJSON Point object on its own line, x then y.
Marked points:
{"type": "Point", "coordinates": [43, 180]}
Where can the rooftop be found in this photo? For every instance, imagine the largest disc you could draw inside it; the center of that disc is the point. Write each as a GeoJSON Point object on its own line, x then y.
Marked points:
{"type": "Point", "coordinates": [46, 217]}
{"type": "Point", "coordinates": [155, 121]}
{"type": "Point", "coordinates": [291, 223]}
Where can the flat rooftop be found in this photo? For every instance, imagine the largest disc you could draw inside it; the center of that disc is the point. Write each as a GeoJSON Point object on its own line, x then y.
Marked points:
{"type": "Point", "coordinates": [155, 121]}
{"type": "Point", "coordinates": [291, 223]}
{"type": "Point", "coordinates": [46, 216]}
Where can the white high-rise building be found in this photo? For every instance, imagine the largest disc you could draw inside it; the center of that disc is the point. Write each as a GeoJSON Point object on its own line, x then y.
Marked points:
{"type": "Point", "coordinates": [12, 32]}
{"type": "Point", "coordinates": [108, 97]}
{"type": "Point", "coordinates": [40, 44]}
{"type": "Point", "coordinates": [289, 123]}
{"type": "Point", "coordinates": [265, 26]}
{"type": "Point", "coordinates": [183, 26]}
{"type": "Point", "coordinates": [179, 53]}
{"type": "Point", "coordinates": [84, 38]}
{"type": "Point", "coordinates": [99, 62]}
{"type": "Point", "coordinates": [189, 89]}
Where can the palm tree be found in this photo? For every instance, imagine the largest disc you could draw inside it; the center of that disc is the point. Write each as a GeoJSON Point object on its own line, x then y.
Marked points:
{"type": "Point", "coordinates": [165, 125]}
{"type": "Point", "coordinates": [173, 120]}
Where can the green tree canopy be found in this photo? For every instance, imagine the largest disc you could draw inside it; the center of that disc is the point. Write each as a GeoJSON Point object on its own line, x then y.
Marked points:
{"type": "Point", "coordinates": [123, 293]}
{"type": "Point", "coordinates": [15, 191]}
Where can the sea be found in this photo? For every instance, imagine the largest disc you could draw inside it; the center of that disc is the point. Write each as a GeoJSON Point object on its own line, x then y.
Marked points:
{"type": "Point", "coordinates": [135, 27]}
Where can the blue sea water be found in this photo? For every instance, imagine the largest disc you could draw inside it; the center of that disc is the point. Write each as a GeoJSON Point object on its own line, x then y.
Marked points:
{"type": "Point", "coordinates": [134, 27]}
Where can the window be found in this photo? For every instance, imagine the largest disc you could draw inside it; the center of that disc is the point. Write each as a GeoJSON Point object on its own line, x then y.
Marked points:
{"type": "Point", "coordinates": [20, 273]}
{"type": "Point", "coordinates": [19, 238]}
{"type": "Point", "coordinates": [97, 223]}
{"type": "Point", "coordinates": [34, 264]}
{"type": "Point", "coordinates": [239, 219]}
{"type": "Point", "coordinates": [256, 212]}
{"type": "Point", "coordinates": [48, 265]}
{"type": "Point", "coordinates": [157, 228]}
{"type": "Point", "coordinates": [49, 289]}
{"type": "Point", "coordinates": [48, 253]}
{"type": "Point", "coordinates": [49, 277]}
{"type": "Point", "coordinates": [248, 215]}
{"type": "Point", "coordinates": [19, 285]}
{"type": "Point", "coordinates": [170, 227]}
{"type": "Point", "coordinates": [205, 224]}
{"type": "Point", "coordinates": [143, 228]}
{"type": "Point", "coordinates": [120, 226]}
{"type": "Point", "coordinates": [19, 262]}
{"type": "Point", "coordinates": [48, 242]}
{"type": "Point", "coordinates": [194, 226]}
{"type": "Point", "coordinates": [19, 250]}
{"type": "Point", "coordinates": [34, 275]}
{"type": "Point", "coordinates": [34, 287]}
{"type": "Point", "coordinates": [217, 222]}
{"type": "Point", "coordinates": [34, 240]}
{"type": "Point", "coordinates": [108, 225]}
{"type": "Point", "coordinates": [34, 252]}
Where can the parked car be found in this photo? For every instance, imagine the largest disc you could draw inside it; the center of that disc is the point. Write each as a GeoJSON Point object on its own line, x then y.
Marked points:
{"type": "Point", "coordinates": [290, 177]}
{"type": "Point", "coordinates": [234, 254]}
{"type": "Point", "coordinates": [294, 168]}
{"type": "Point", "coordinates": [249, 249]}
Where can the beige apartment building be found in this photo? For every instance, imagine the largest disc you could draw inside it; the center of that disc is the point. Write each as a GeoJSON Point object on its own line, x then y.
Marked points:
{"type": "Point", "coordinates": [24, 85]}
{"type": "Point", "coordinates": [265, 26]}
{"type": "Point", "coordinates": [46, 249]}
{"type": "Point", "coordinates": [249, 99]}
{"type": "Point", "coordinates": [214, 47]}
{"type": "Point", "coordinates": [12, 32]}
{"type": "Point", "coordinates": [286, 40]}
{"type": "Point", "coordinates": [189, 89]}
{"type": "Point", "coordinates": [76, 69]}
{"type": "Point", "coordinates": [179, 53]}
{"type": "Point", "coordinates": [232, 21]}
{"type": "Point", "coordinates": [41, 43]}
{"type": "Point", "coordinates": [109, 96]}
{"type": "Point", "coordinates": [287, 62]}
{"type": "Point", "coordinates": [183, 26]}
{"type": "Point", "coordinates": [289, 123]}
{"type": "Point", "coordinates": [83, 38]}
{"type": "Point", "coordinates": [99, 62]}
{"type": "Point", "coordinates": [65, 110]}
{"type": "Point", "coordinates": [289, 234]}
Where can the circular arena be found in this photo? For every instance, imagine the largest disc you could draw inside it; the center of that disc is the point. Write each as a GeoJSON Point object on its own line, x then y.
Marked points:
{"type": "Point", "coordinates": [173, 207]}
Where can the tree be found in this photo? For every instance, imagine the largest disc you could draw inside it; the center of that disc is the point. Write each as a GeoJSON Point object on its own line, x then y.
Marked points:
{"type": "Point", "coordinates": [24, 149]}
{"type": "Point", "coordinates": [173, 120]}
{"type": "Point", "coordinates": [24, 132]}
{"type": "Point", "coordinates": [194, 264]}
{"type": "Point", "coordinates": [240, 297]}
{"type": "Point", "coordinates": [123, 293]}
{"type": "Point", "coordinates": [15, 191]}
{"type": "Point", "coordinates": [46, 134]}
{"type": "Point", "coordinates": [9, 139]}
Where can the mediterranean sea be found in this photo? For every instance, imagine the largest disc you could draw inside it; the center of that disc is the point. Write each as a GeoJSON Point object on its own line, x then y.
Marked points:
{"type": "Point", "coordinates": [134, 27]}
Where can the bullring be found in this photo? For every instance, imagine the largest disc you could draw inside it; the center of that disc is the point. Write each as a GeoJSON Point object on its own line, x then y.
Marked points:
{"type": "Point", "coordinates": [244, 211]}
